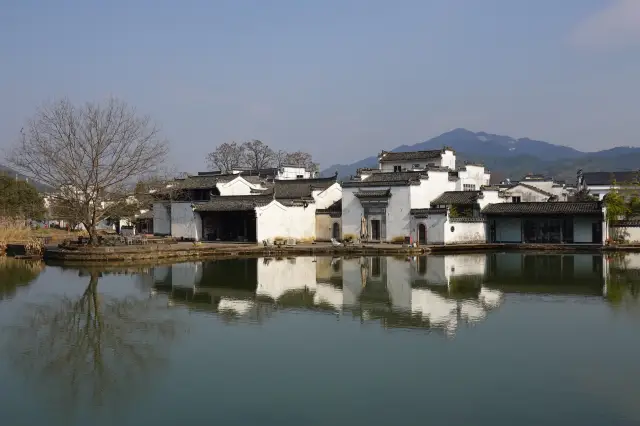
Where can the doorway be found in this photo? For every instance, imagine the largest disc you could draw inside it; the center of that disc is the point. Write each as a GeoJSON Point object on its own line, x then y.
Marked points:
{"type": "Point", "coordinates": [375, 230]}
{"type": "Point", "coordinates": [335, 231]}
{"type": "Point", "coordinates": [422, 234]}
{"type": "Point", "coordinates": [596, 233]}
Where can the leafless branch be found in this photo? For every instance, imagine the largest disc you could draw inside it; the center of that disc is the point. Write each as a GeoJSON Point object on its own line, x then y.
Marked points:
{"type": "Point", "coordinates": [92, 154]}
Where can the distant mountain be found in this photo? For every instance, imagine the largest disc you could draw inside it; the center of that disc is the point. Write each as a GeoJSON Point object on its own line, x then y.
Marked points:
{"type": "Point", "coordinates": [41, 187]}
{"type": "Point", "coordinates": [513, 158]}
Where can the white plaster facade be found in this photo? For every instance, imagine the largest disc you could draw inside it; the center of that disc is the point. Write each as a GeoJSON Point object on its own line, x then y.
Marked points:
{"type": "Point", "coordinates": [396, 218]}
{"type": "Point", "coordinates": [237, 186]}
{"type": "Point", "coordinates": [472, 178]}
{"type": "Point", "coordinates": [446, 158]}
{"type": "Point", "coordinates": [275, 220]}
{"type": "Point", "coordinates": [162, 218]}
{"type": "Point", "coordinates": [527, 193]}
{"type": "Point", "coordinates": [430, 178]}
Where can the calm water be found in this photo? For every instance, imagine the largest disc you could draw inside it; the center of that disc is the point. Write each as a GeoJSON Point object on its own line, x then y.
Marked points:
{"type": "Point", "coordinates": [497, 339]}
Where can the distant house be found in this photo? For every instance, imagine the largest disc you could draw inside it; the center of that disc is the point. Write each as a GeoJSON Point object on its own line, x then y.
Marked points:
{"type": "Point", "coordinates": [546, 223]}
{"type": "Point", "coordinates": [599, 183]}
{"type": "Point", "coordinates": [234, 207]}
{"type": "Point", "coordinates": [416, 160]}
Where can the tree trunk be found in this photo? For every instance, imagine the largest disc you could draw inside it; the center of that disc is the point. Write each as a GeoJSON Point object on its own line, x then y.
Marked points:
{"type": "Point", "coordinates": [93, 234]}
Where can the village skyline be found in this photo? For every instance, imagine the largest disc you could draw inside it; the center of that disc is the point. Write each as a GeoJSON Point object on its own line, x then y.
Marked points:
{"type": "Point", "coordinates": [340, 80]}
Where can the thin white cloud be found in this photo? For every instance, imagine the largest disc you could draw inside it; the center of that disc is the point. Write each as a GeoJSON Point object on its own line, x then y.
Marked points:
{"type": "Point", "coordinates": [616, 26]}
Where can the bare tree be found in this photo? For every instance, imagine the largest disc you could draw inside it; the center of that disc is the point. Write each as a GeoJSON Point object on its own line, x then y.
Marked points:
{"type": "Point", "coordinates": [226, 157]}
{"type": "Point", "coordinates": [93, 346]}
{"type": "Point", "coordinates": [92, 154]}
{"type": "Point", "coordinates": [280, 158]}
{"type": "Point", "coordinates": [257, 155]}
{"type": "Point", "coordinates": [301, 159]}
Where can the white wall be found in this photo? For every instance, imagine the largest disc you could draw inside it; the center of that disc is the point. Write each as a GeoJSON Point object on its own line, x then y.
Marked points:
{"type": "Point", "coordinates": [185, 223]}
{"type": "Point", "coordinates": [429, 189]}
{"type": "Point", "coordinates": [161, 219]}
{"type": "Point", "coordinates": [435, 228]}
{"type": "Point", "coordinates": [490, 196]}
{"type": "Point", "coordinates": [275, 220]}
{"type": "Point", "coordinates": [398, 211]}
{"type": "Point", "coordinates": [465, 264]}
{"type": "Point", "coordinates": [526, 194]}
{"type": "Point", "coordinates": [448, 159]}
{"type": "Point", "coordinates": [630, 233]}
{"type": "Point", "coordinates": [289, 172]}
{"type": "Point", "coordinates": [473, 175]}
{"type": "Point", "coordinates": [508, 229]}
{"type": "Point", "coordinates": [238, 186]}
{"type": "Point", "coordinates": [465, 232]}
{"type": "Point", "coordinates": [327, 197]}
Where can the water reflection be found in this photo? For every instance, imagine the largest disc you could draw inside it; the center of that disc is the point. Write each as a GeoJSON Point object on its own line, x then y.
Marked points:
{"type": "Point", "coordinates": [16, 273]}
{"type": "Point", "coordinates": [429, 292]}
{"type": "Point", "coordinates": [91, 347]}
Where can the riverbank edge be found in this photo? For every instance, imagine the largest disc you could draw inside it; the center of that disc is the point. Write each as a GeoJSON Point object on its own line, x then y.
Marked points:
{"type": "Point", "coordinates": [190, 252]}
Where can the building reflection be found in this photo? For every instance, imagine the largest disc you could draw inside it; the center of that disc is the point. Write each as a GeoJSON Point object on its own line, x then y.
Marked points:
{"type": "Point", "coordinates": [436, 293]}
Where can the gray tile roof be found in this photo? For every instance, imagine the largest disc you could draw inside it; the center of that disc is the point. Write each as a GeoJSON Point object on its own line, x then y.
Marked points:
{"type": "Point", "coordinates": [233, 203]}
{"type": "Point", "coordinates": [298, 188]}
{"type": "Point", "coordinates": [334, 210]}
{"type": "Point", "coordinates": [241, 203]}
{"type": "Point", "coordinates": [464, 219]}
{"type": "Point", "coordinates": [544, 208]}
{"type": "Point", "coordinates": [379, 193]}
{"type": "Point", "coordinates": [410, 156]}
{"type": "Point", "coordinates": [456, 197]}
{"type": "Point", "coordinates": [388, 179]}
{"type": "Point", "coordinates": [606, 178]}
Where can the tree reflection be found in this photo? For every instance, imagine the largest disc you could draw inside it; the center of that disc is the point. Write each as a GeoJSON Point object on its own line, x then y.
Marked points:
{"type": "Point", "coordinates": [16, 273]}
{"type": "Point", "coordinates": [92, 347]}
{"type": "Point", "coordinates": [623, 281]}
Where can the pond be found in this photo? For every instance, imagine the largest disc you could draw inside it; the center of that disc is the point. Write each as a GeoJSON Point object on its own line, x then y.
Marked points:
{"type": "Point", "coordinates": [482, 339]}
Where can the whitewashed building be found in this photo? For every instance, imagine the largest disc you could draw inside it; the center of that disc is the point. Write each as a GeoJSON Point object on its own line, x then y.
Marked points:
{"type": "Point", "coordinates": [599, 184]}
{"type": "Point", "coordinates": [393, 200]}
{"type": "Point", "coordinates": [234, 207]}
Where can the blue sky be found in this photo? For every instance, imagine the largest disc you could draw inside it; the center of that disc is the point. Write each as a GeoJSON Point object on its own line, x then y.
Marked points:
{"type": "Point", "coordinates": [341, 79]}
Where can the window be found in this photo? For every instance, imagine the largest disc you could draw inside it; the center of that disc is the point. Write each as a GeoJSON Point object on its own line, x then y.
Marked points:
{"type": "Point", "coordinates": [516, 199]}
{"type": "Point", "coordinates": [416, 166]}
{"type": "Point", "coordinates": [397, 168]}
{"type": "Point", "coordinates": [299, 176]}
{"type": "Point", "coordinates": [469, 187]}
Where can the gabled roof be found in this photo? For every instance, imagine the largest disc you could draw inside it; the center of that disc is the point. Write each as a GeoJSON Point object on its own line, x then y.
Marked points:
{"type": "Point", "coordinates": [240, 203]}
{"type": "Point", "coordinates": [388, 179]}
{"type": "Point", "coordinates": [335, 207]}
{"type": "Point", "coordinates": [380, 193]}
{"type": "Point", "coordinates": [298, 188]}
{"type": "Point", "coordinates": [205, 180]}
{"type": "Point", "coordinates": [606, 178]}
{"type": "Point", "coordinates": [421, 213]}
{"type": "Point", "coordinates": [457, 197]}
{"type": "Point", "coordinates": [233, 203]}
{"type": "Point", "coordinates": [533, 188]}
{"type": "Point", "coordinates": [544, 208]}
{"type": "Point", "coordinates": [410, 156]}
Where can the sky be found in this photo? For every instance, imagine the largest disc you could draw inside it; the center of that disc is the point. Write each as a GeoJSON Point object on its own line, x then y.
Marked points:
{"type": "Point", "coordinates": [341, 79]}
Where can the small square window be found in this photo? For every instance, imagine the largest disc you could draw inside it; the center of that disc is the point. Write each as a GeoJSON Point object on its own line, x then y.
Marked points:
{"type": "Point", "coordinates": [515, 199]}
{"type": "Point", "coordinates": [397, 168]}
